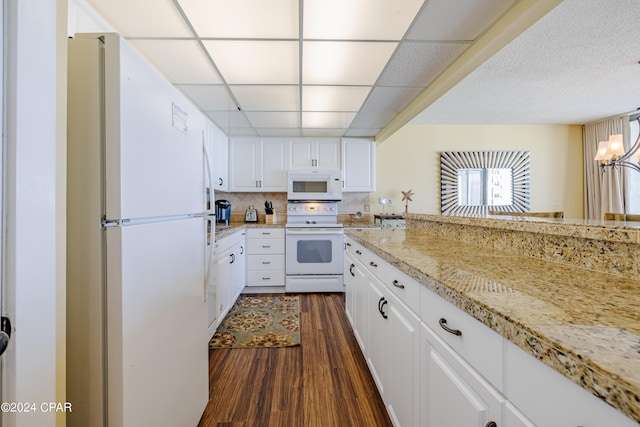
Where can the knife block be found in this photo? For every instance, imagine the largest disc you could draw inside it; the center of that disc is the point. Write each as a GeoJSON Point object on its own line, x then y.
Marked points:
{"type": "Point", "coordinates": [271, 218]}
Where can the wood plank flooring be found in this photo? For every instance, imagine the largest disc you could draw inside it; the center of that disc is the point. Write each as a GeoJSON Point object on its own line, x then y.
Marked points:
{"type": "Point", "coordinates": [324, 382]}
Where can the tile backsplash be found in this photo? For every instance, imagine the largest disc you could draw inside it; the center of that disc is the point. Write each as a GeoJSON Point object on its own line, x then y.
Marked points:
{"type": "Point", "coordinates": [240, 202]}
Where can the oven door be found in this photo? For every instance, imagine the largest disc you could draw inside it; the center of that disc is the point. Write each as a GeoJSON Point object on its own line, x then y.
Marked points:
{"type": "Point", "coordinates": [314, 251]}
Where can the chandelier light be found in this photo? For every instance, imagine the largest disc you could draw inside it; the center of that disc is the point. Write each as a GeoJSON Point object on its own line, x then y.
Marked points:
{"type": "Point", "coordinates": [611, 153]}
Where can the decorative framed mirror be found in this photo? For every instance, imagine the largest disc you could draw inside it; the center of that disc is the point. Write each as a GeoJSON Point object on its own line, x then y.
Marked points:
{"type": "Point", "coordinates": [474, 182]}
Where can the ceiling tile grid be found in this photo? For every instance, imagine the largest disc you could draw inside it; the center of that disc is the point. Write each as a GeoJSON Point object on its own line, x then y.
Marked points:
{"type": "Point", "coordinates": [302, 67]}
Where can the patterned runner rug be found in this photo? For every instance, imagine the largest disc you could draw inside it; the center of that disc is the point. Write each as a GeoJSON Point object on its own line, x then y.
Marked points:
{"type": "Point", "coordinates": [260, 321]}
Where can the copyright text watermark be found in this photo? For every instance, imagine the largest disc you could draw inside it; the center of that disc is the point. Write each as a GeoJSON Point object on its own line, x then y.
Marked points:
{"type": "Point", "coordinates": [23, 407]}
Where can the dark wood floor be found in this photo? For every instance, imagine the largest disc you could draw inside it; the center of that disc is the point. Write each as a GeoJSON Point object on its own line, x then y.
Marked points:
{"type": "Point", "coordinates": [324, 382]}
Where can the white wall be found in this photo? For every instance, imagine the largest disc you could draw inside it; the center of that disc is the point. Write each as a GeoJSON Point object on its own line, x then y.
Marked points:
{"type": "Point", "coordinates": [409, 159]}
{"type": "Point", "coordinates": [35, 207]}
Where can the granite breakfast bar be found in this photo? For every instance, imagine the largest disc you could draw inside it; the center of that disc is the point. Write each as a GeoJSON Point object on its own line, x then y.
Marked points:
{"type": "Point", "coordinates": [566, 292]}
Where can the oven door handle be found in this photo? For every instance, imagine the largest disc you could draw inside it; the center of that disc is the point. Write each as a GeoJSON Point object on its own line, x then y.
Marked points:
{"type": "Point", "coordinates": [314, 231]}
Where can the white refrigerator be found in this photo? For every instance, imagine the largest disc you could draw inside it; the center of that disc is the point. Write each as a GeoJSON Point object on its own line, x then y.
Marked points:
{"type": "Point", "coordinates": [137, 243]}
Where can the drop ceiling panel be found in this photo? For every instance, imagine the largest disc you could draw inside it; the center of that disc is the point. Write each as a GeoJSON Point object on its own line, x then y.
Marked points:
{"type": "Point", "coordinates": [278, 132]}
{"type": "Point", "coordinates": [323, 132]}
{"type": "Point", "coordinates": [457, 19]}
{"type": "Point", "coordinates": [243, 19]}
{"type": "Point", "coordinates": [181, 61]}
{"type": "Point", "coordinates": [255, 62]}
{"type": "Point", "coordinates": [227, 120]}
{"type": "Point", "coordinates": [358, 19]}
{"type": "Point", "coordinates": [267, 98]}
{"type": "Point", "coordinates": [333, 98]}
{"type": "Point", "coordinates": [133, 18]}
{"type": "Point", "coordinates": [269, 119]}
{"type": "Point", "coordinates": [418, 64]}
{"type": "Point", "coordinates": [344, 63]}
{"type": "Point", "coordinates": [327, 119]}
{"type": "Point", "coordinates": [209, 97]}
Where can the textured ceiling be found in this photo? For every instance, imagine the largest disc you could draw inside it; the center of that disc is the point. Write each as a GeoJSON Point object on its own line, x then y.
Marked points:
{"type": "Point", "coordinates": [258, 68]}
{"type": "Point", "coordinates": [577, 64]}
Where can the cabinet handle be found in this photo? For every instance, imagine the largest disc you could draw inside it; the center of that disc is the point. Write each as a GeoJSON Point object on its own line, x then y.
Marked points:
{"type": "Point", "coordinates": [381, 305]}
{"type": "Point", "coordinates": [491, 424]}
{"type": "Point", "coordinates": [266, 262]}
{"type": "Point", "coordinates": [266, 246]}
{"type": "Point", "coordinates": [443, 324]}
{"type": "Point", "coordinates": [358, 252]}
{"type": "Point", "coordinates": [348, 244]}
{"type": "Point", "coordinates": [373, 264]}
{"type": "Point", "coordinates": [351, 269]}
{"type": "Point", "coordinates": [241, 250]}
{"type": "Point", "coordinates": [257, 184]}
{"type": "Point", "coordinates": [266, 278]}
{"type": "Point", "coordinates": [265, 233]}
{"type": "Point", "coordinates": [233, 258]}
{"type": "Point", "coordinates": [220, 181]}
{"type": "Point", "coordinates": [397, 284]}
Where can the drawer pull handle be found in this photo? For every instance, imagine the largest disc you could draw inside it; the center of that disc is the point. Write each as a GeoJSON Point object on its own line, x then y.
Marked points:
{"type": "Point", "coordinates": [348, 244]}
{"type": "Point", "coordinates": [491, 424]}
{"type": "Point", "coordinates": [266, 246]}
{"type": "Point", "coordinates": [266, 262]}
{"type": "Point", "coordinates": [266, 278]}
{"type": "Point", "coordinates": [266, 232]}
{"type": "Point", "coordinates": [373, 264]}
{"type": "Point", "coordinates": [351, 269]}
{"type": "Point", "coordinates": [443, 324]}
{"type": "Point", "coordinates": [397, 284]}
{"type": "Point", "coordinates": [358, 252]}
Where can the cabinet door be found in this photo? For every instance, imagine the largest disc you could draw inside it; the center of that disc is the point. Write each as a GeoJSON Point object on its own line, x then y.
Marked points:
{"type": "Point", "coordinates": [452, 393]}
{"type": "Point", "coordinates": [224, 280]}
{"type": "Point", "coordinates": [349, 288]}
{"type": "Point", "coordinates": [238, 270]}
{"type": "Point", "coordinates": [358, 165]}
{"type": "Point", "coordinates": [246, 164]}
{"type": "Point", "coordinates": [221, 160]}
{"type": "Point", "coordinates": [301, 154]}
{"type": "Point", "coordinates": [377, 325]}
{"type": "Point", "coordinates": [273, 165]}
{"type": "Point", "coordinates": [328, 154]}
{"type": "Point", "coordinates": [402, 385]}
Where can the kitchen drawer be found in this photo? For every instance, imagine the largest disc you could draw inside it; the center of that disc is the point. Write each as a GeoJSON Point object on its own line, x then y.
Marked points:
{"type": "Point", "coordinates": [265, 246]}
{"type": "Point", "coordinates": [265, 262]}
{"type": "Point", "coordinates": [404, 287]}
{"type": "Point", "coordinates": [268, 233]}
{"type": "Point", "coordinates": [481, 346]}
{"type": "Point", "coordinates": [374, 264]}
{"type": "Point", "coordinates": [265, 278]}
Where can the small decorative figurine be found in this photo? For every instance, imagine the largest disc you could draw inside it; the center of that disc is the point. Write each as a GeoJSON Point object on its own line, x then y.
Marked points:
{"type": "Point", "coordinates": [406, 197]}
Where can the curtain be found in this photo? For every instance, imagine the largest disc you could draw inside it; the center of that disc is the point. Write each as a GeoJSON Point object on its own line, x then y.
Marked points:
{"type": "Point", "coordinates": [603, 192]}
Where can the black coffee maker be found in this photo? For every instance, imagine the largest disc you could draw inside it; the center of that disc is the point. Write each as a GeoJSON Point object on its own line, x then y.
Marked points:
{"type": "Point", "coordinates": [223, 211]}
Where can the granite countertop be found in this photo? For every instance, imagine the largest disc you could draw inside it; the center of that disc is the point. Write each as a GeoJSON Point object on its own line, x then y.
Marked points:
{"type": "Point", "coordinates": [585, 324]}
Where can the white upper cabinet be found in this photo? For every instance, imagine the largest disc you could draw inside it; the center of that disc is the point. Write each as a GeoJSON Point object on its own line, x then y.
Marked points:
{"type": "Point", "coordinates": [258, 165]}
{"type": "Point", "coordinates": [217, 146]}
{"type": "Point", "coordinates": [314, 154]}
{"type": "Point", "coordinates": [221, 160]}
{"type": "Point", "coordinates": [358, 165]}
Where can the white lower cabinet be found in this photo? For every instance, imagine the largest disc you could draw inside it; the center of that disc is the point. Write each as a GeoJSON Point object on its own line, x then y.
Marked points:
{"type": "Point", "coordinates": [230, 272]}
{"type": "Point", "coordinates": [437, 366]}
{"type": "Point", "coordinates": [453, 393]}
{"type": "Point", "coordinates": [387, 332]}
{"type": "Point", "coordinates": [265, 259]}
{"type": "Point", "coordinates": [356, 283]}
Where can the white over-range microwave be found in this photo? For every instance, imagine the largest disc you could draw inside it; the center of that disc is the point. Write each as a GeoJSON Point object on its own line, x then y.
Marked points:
{"type": "Point", "coordinates": [316, 185]}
